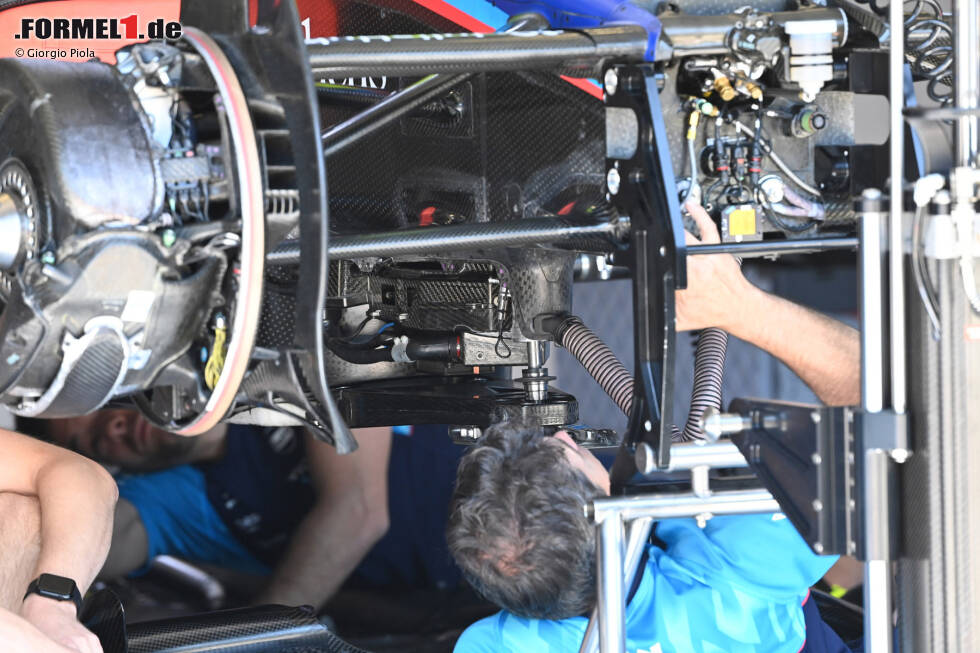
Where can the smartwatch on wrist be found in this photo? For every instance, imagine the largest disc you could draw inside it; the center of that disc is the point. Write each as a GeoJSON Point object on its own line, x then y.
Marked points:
{"type": "Point", "coordinates": [58, 588]}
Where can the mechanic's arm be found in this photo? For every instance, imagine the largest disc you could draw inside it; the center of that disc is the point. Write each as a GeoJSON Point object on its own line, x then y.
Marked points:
{"type": "Point", "coordinates": [76, 499]}
{"type": "Point", "coordinates": [350, 514]}
{"type": "Point", "coordinates": [823, 352]}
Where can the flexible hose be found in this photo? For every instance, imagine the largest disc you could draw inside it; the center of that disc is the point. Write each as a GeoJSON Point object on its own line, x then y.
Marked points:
{"type": "Point", "coordinates": [709, 364]}
{"type": "Point", "coordinates": [599, 361]}
{"type": "Point", "coordinates": [613, 377]}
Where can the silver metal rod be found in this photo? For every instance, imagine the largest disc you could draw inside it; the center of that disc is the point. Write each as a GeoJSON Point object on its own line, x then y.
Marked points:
{"type": "Point", "coordinates": [966, 80]}
{"type": "Point", "coordinates": [639, 535]}
{"type": "Point", "coordinates": [896, 210]}
{"type": "Point", "coordinates": [611, 597]}
{"type": "Point", "coordinates": [715, 423]}
{"type": "Point", "coordinates": [870, 258]}
{"type": "Point", "coordinates": [768, 248]}
{"type": "Point", "coordinates": [688, 455]}
{"type": "Point", "coordinates": [877, 569]}
{"type": "Point", "coordinates": [670, 506]}
{"type": "Point", "coordinates": [439, 240]}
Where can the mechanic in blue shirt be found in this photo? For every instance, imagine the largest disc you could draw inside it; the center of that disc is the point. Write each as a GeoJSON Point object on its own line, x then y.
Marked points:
{"type": "Point", "coordinates": [277, 502]}
{"type": "Point", "coordinates": [740, 584]}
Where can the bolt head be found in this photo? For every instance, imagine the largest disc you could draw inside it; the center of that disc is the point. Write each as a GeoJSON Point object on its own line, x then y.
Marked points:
{"type": "Point", "coordinates": [612, 181]}
{"type": "Point", "coordinates": [611, 81]}
{"type": "Point", "coordinates": [644, 458]}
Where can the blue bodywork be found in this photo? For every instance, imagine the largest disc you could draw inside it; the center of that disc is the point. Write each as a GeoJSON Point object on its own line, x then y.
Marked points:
{"type": "Point", "coordinates": [578, 14]}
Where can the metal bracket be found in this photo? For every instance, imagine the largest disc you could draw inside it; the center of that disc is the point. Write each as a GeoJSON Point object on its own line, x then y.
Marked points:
{"type": "Point", "coordinates": [805, 456]}
{"type": "Point", "coordinates": [642, 187]}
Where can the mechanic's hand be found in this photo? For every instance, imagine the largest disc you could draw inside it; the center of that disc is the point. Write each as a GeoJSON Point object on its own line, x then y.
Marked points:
{"type": "Point", "coordinates": [715, 285]}
{"type": "Point", "coordinates": [57, 620]}
{"type": "Point", "coordinates": [19, 635]}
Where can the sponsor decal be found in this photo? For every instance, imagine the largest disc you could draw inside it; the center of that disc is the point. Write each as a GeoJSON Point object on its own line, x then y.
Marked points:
{"type": "Point", "coordinates": [79, 30]}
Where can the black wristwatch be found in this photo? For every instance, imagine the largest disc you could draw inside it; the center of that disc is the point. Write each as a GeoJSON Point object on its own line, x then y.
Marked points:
{"type": "Point", "coordinates": [58, 588]}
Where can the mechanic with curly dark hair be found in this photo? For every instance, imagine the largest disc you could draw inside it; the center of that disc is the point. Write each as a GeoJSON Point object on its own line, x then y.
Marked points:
{"type": "Point", "coordinates": [518, 530]}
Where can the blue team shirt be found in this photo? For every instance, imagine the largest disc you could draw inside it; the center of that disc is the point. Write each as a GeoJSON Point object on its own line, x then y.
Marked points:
{"type": "Point", "coordinates": [241, 510]}
{"type": "Point", "coordinates": [736, 586]}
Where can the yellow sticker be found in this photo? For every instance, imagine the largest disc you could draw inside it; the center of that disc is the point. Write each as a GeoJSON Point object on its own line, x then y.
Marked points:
{"type": "Point", "coordinates": [741, 222]}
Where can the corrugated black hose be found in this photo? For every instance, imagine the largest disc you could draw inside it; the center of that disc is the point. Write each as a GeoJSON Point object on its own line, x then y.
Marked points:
{"type": "Point", "coordinates": [613, 377]}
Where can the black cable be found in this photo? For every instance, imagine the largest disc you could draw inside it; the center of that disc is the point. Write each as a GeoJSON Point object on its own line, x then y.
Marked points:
{"type": "Point", "coordinates": [358, 329]}
{"type": "Point", "coordinates": [357, 356]}
{"type": "Point", "coordinates": [921, 274]}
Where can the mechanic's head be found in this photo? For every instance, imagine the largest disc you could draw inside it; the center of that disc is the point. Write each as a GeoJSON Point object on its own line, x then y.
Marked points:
{"type": "Point", "coordinates": [121, 437]}
{"type": "Point", "coordinates": [517, 527]}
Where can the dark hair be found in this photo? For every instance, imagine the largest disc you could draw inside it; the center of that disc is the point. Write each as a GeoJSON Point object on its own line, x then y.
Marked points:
{"type": "Point", "coordinates": [517, 525]}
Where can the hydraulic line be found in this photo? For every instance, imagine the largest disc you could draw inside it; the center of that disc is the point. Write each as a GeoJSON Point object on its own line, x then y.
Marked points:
{"type": "Point", "coordinates": [613, 377]}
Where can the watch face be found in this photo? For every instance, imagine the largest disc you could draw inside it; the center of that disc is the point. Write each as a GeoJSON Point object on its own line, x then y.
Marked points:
{"type": "Point", "coordinates": [55, 586]}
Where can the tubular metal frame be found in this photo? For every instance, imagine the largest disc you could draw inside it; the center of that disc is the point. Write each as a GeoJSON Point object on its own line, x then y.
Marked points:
{"type": "Point", "coordinates": [877, 461]}
{"type": "Point", "coordinates": [611, 513]}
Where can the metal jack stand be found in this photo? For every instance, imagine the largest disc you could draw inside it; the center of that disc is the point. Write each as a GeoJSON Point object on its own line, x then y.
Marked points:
{"type": "Point", "coordinates": [882, 431]}
{"type": "Point", "coordinates": [617, 515]}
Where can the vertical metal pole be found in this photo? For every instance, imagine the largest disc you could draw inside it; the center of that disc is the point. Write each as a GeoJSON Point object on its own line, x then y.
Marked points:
{"type": "Point", "coordinates": [611, 599]}
{"type": "Point", "coordinates": [877, 567]}
{"type": "Point", "coordinates": [871, 254]}
{"type": "Point", "coordinates": [877, 570]}
{"type": "Point", "coordinates": [639, 534]}
{"type": "Point", "coordinates": [896, 231]}
{"type": "Point", "coordinates": [966, 36]}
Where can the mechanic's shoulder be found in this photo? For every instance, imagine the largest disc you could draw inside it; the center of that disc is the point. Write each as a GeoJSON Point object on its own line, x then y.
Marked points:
{"type": "Point", "coordinates": [484, 635]}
